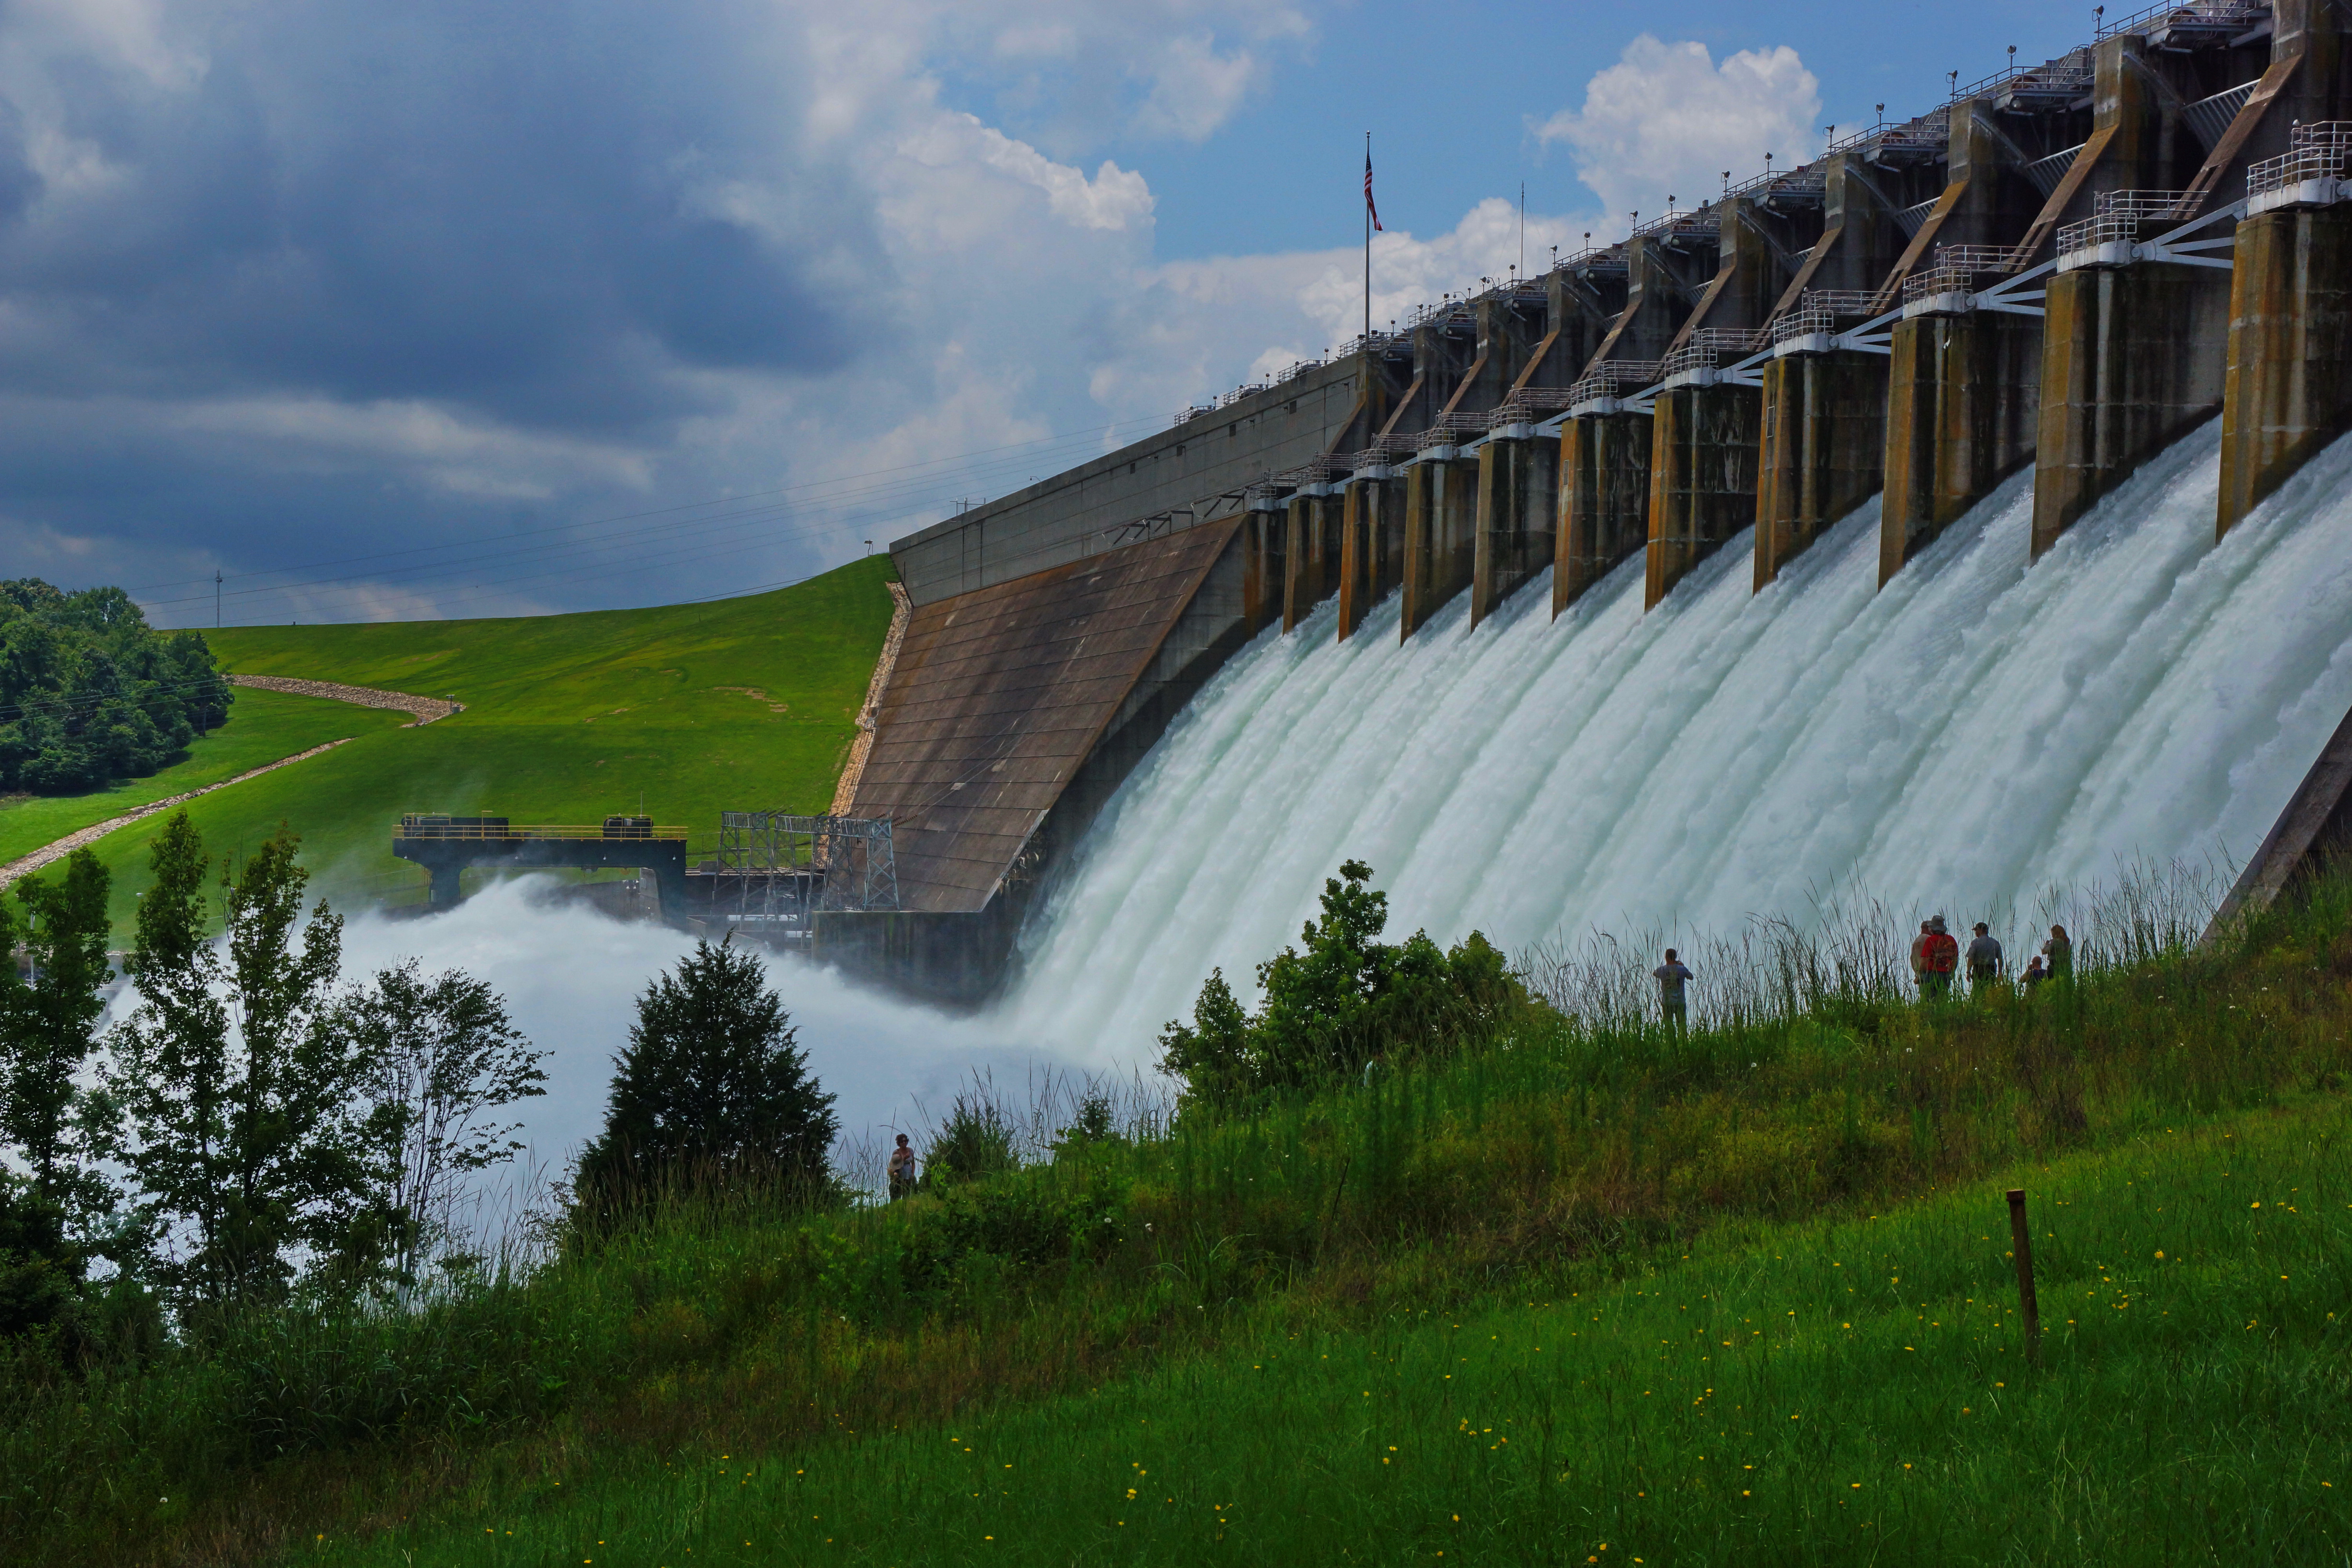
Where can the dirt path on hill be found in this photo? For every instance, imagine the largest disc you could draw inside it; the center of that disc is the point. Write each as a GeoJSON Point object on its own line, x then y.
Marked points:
{"type": "Point", "coordinates": [426, 709]}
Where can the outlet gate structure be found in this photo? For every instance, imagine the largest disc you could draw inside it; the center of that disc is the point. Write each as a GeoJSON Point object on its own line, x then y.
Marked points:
{"type": "Point", "coordinates": [775, 867]}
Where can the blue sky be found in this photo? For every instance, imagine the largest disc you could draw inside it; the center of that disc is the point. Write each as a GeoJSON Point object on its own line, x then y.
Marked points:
{"type": "Point", "coordinates": [449, 309]}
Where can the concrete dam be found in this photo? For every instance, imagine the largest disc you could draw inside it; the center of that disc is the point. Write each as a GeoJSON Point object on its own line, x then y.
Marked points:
{"type": "Point", "coordinates": [1953, 515]}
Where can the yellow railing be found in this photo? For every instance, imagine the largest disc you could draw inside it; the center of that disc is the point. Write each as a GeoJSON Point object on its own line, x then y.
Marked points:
{"type": "Point", "coordinates": [439, 831]}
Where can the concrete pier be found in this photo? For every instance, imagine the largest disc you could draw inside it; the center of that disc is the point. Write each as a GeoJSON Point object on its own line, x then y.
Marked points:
{"type": "Point", "coordinates": [1604, 500]}
{"type": "Point", "coordinates": [1371, 545]}
{"type": "Point", "coordinates": [1265, 546]}
{"type": "Point", "coordinates": [1310, 550]}
{"type": "Point", "coordinates": [1824, 411]}
{"type": "Point", "coordinates": [1517, 507]}
{"type": "Point", "coordinates": [1822, 440]}
{"type": "Point", "coordinates": [2132, 359]}
{"type": "Point", "coordinates": [1441, 519]}
{"type": "Point", "coordinates": [1603, 511]}
{"type": "Point", "coordinates": [2288, 385]}
{"type": "Point", "coordinates": [1705, 440]}
{"type": "Point", "coordinates": [1703, 465]}
{"type": "Point", "coordinates": [2133, 355]}
{"type": "Point", "coordinates": [1964, 386]}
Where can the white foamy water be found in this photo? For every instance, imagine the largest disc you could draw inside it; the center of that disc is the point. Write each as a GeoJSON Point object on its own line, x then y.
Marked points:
{"type": "Point", "coordinates": [571, 976]}
{"type": "Point", "coordinates": [1973, 734]}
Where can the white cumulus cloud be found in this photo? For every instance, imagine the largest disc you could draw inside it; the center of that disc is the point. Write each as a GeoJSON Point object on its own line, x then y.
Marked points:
{"type": "Point", "coordinates": [1667, 120]}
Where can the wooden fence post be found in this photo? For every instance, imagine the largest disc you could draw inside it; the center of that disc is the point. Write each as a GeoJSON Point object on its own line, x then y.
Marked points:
{"type": "Point", "coordinates": [2020, 1236]}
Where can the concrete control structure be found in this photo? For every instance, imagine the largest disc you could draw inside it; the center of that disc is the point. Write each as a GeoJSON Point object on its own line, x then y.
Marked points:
{"type": "Point", "coordinates": [2069, 265]}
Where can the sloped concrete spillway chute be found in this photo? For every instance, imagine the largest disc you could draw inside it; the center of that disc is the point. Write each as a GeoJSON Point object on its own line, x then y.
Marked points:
{"type": "Point", "coordinates": [1013, 711]}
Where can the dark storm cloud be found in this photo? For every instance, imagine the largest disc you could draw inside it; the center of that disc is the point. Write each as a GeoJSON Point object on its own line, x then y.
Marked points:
{"type": "Point", "coordinates": [511, 209]}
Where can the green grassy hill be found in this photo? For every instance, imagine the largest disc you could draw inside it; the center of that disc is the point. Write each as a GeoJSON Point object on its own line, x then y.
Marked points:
{"type": "Point", "coordinates": [263, 726]}
{"type": "Point", "coordinates": [743, 704]}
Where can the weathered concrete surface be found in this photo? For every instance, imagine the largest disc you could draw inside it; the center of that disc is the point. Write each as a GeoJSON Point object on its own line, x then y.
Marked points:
{"type": "Point", "coordinates": [1311, 553]}
{"type": "Point", "coordinates": [1000, 696]}
{"type": "Point", "coordinates": [1703, 453]}
{"type": "Point", "coordinates": [1824, 416]}
{"type": "Point", "coordinates": [1963, 398]}
{"type": "Point", "coordinates": [1371, 548]}
{"type": "Point", "coordinates": [2288, 388]}
{"type": "Point", "coordinates": [1441, 520]}
{"type": "Point", "coordinates": [1518, 503]}
{"type": "Point", "coordinates": [2315, 826]}
{"type": "Point", "coordinates": [2131, 360]}
{"type": "Point", "coordinates": [1824, 438]}
{"type": "Point", "coordinates": [1703, 459]}
{"type": "Point", "coordinates": [1264, 544]}
{"type": "Point", "coordinates": [2132, 357]}
{"type": "Point", "coordinates": [1196, 472]}
{"type": "Point", "coordinates": [1963, 393]}
{"type": "Point", "coordinates": [1604, 501]}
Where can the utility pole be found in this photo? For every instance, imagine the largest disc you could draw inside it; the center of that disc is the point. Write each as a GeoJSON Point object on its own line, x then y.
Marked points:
{"type": "Point", "coordinates": [217, 597]}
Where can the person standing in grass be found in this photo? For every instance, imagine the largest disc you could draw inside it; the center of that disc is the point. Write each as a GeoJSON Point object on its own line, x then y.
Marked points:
{"type": "Point", "coordinates": [1935, 956]}
{"type": "Point", "coordinates": [902, 1171]}
{"type": "Point", "coordinates": [1984, 961]}
{"type": "Point", "coordinates": [2060, 950]}
{"type": "Point", "coordinates": [1673, 975]}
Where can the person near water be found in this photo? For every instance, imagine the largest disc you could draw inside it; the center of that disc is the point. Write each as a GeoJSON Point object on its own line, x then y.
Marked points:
{"type": "Point", "coordinates": [1919, 957]}
{"type": "Point", "coordinates": [2060, 950]}
{"type": "Point", "coordinates": [1984, 958]}
{"type": "Point", "coordinates": [1673, 975]}
{"type": "Point", "coordinates": [1939, 956]}
{"type": "Point", "coordinates": [902, 1171]}
{"type": "Point", "coordinates": [2034, 975]}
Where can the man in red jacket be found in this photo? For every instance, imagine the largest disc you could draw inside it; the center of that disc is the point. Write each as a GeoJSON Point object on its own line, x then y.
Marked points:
{"type": "Point", "coordinates": [1934, 958]}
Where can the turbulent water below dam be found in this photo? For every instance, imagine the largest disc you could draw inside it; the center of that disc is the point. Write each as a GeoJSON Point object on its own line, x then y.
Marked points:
{"type": "Point", "coordinates": [1974, 733]}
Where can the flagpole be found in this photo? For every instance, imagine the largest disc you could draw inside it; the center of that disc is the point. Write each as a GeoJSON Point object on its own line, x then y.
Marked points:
{"type": "Point", "coordinates": [1368, 237]}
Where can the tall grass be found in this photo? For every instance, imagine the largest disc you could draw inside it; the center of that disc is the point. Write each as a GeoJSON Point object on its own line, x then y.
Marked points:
{"type": "Point", "coordinates": [1580, 1144]}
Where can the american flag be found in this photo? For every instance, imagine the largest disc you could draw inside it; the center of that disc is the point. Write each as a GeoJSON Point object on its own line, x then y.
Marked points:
{"type": "Point", "coordinates": [1370, 206]}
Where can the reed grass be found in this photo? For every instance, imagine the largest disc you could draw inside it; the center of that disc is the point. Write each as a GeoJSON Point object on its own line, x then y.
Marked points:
{"type": "Point", "coordinates": [1582, 1150]}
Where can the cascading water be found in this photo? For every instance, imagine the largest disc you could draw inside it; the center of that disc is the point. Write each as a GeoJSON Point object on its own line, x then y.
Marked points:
{"type": "Point", "coordinates": [1974, 732]}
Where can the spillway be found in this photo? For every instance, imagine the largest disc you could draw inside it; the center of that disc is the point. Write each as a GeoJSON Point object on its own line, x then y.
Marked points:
{"type": "Point", "coordinates": [1975, 733]}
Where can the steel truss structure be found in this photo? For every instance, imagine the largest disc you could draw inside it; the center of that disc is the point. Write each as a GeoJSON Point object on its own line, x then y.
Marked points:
{"type": "Point", "coordinates": [777, 866]}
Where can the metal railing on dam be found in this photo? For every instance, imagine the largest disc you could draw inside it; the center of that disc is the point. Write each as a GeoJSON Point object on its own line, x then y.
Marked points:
{"type": "Point", "coordinates": [2062, 267]}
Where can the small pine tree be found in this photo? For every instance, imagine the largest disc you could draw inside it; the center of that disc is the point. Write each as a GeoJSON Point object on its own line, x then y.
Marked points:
{"type": "Point", "coordinates": [713, 1079]}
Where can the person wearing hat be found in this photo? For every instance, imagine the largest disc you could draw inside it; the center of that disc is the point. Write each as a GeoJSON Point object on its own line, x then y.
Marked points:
{"type": "Point", "coordinates": [1984, 960]}
{"type": "Point", "coordinates": [1939, 956]}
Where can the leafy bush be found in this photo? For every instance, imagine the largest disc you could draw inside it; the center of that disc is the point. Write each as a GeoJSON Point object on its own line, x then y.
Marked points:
{"type": "Point", "coordinates": [977, 1141]}
{"type": "Point", "coordinates": [1348, 1000]}
{"type": "Point", "coordinates": [90, 693]}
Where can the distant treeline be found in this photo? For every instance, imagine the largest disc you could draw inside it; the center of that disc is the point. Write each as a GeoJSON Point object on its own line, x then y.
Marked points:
{"type": "Point", "coordinates": [90, 693]}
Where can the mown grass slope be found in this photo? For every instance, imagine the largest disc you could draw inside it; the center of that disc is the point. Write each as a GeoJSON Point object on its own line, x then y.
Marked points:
{"type": "Point", "coordinates": [262, 727]}
{"type": "Point", "coordinates": [1854, 1391]}
{"type": "Point", "coordinates": [745, 704]}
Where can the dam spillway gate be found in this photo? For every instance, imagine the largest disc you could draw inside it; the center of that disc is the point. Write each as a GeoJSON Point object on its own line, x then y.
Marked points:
{"type": "Point", "coordinates": [2068, 265]}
